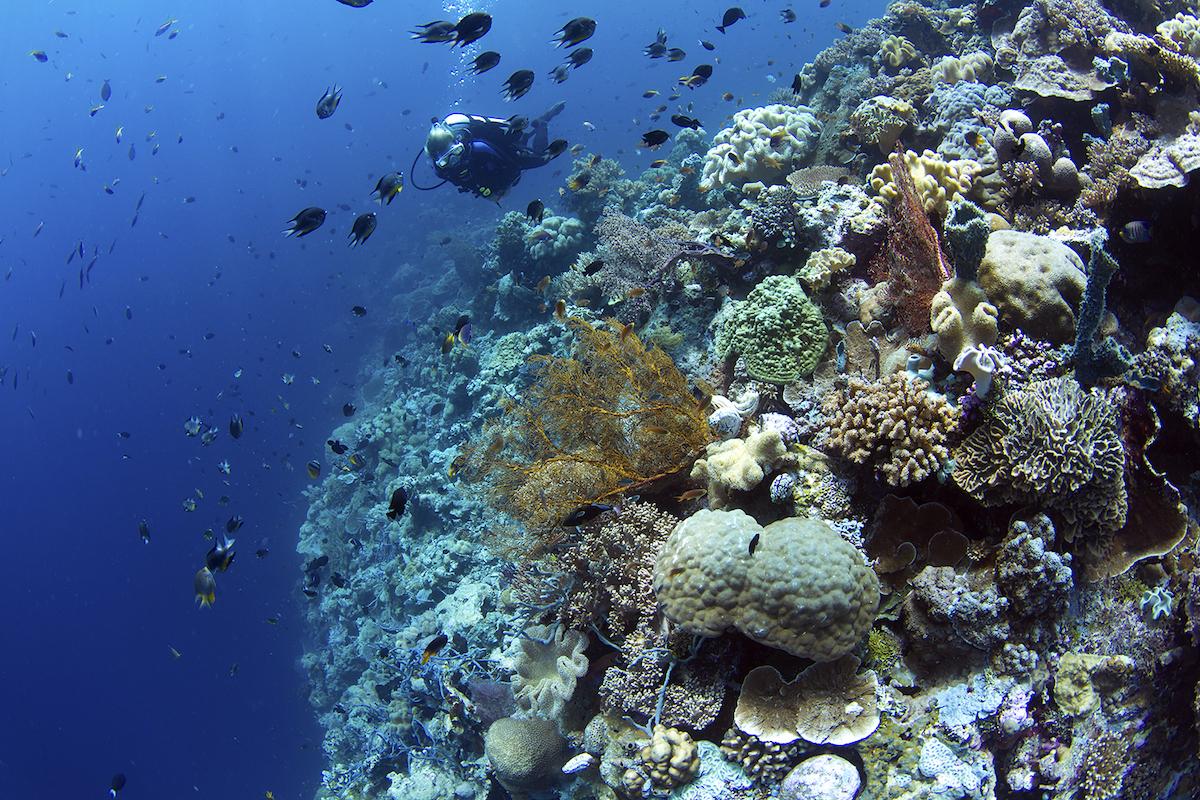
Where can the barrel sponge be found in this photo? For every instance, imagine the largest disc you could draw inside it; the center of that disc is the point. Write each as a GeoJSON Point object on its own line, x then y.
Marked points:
{"type": "Point", "coordinates": [777, 330]}
{"type": "Point", "coordinates": [525, 753]}
{"type": "Point", "coordinates": [1036, 282]}
{"type": "Point", "coordinates": [760, 145]}
{"type": "Point", "coordinates": [794, 585]}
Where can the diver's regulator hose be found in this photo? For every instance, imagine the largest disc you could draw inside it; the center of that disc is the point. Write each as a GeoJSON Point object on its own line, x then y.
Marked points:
{"type": "Point", "coordinates": [412, 175]}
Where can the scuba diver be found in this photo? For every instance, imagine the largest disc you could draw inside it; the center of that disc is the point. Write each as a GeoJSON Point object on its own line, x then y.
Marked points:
{"type": "Point", "coordinates": [486, 155]}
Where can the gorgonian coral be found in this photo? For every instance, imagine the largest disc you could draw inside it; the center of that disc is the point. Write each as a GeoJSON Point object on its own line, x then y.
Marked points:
{"type": "Point", "coordinates": [616, 414]}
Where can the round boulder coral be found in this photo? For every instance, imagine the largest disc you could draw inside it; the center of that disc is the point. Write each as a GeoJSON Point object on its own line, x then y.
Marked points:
{"type": "Point", "coordinates": [525, 753]}
{"type": "Point", "coordinates": [1035, 281]}
{"type": "Point", "coordinates": [794, 585]}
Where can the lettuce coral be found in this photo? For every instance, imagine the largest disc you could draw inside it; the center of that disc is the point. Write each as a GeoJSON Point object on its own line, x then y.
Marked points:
{"type": "Point", "coordinates": [762, 145]}
{"type": "Point", "coordinates": [1053, 444]}
{"type": "Point", "coordinates": [777, 330]}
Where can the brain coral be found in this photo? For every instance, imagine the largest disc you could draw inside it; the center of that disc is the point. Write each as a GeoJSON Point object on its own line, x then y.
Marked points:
{"type": "Point", "coordinates": [1052, 444]}
{"type": "Point", "coordinates": [761, 145]}
{"type": "Point", "coordinates": [937, 181]}
{"type": "Point", "coordinates": [895, 424]}
{"type": "Point", "coordinates": [794, 585]}
{"type": "Point", "coordinates": [1036, 282]}
{"type": "Point", "coordinates": [548, 661]}
{"type": "Point", "coordinates": [525, 753]}
{"type": "Point", "coordinates": [777, 330]}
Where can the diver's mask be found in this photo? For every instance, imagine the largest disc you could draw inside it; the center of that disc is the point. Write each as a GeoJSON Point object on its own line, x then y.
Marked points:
{"type": "Point", "coordinates": [452, 157]}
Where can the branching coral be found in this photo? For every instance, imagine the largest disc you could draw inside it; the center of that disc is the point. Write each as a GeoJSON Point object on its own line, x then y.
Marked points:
{"type": "Point", "coordinates": [1053, 444]}
{"type": "Point", "coordinates": [616, 414]}
{"type": "Point", "coordinates": [895, 424]}
{"type": "Point", "coordinates": [611, 566]}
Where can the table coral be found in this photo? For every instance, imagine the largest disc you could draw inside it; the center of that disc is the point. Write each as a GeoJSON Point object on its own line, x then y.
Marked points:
{"type": "Point", "coordinates": [895, 425]}
{"type": "Point", "coordinates": [778, 332]}
{"type": "Point", "coordinates": [1052, 444]}
{"type": "Point", "coordinates": [761, 145]}
{"type": "Point", "coordinates": [801, 587]}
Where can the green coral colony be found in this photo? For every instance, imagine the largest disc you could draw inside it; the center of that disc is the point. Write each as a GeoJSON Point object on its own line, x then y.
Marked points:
{"type": "Point", "coordinates": [846, 452]}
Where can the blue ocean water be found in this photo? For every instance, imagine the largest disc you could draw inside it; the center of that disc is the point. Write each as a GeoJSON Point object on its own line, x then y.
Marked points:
{"type": "Point", "coordinates": [204, 287]}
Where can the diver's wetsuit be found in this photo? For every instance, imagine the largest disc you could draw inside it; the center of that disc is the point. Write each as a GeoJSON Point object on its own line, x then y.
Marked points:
{"type": "Point", "coordinates": [496, 153]}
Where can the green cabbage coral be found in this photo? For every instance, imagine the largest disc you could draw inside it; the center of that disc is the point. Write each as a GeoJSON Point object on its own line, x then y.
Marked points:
{"type": "Point", "coordinates": [777, 330]}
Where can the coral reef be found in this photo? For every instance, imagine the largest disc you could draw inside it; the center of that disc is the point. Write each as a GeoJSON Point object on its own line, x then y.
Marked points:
{"type": "Point", "coordinates": [831, 456]}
